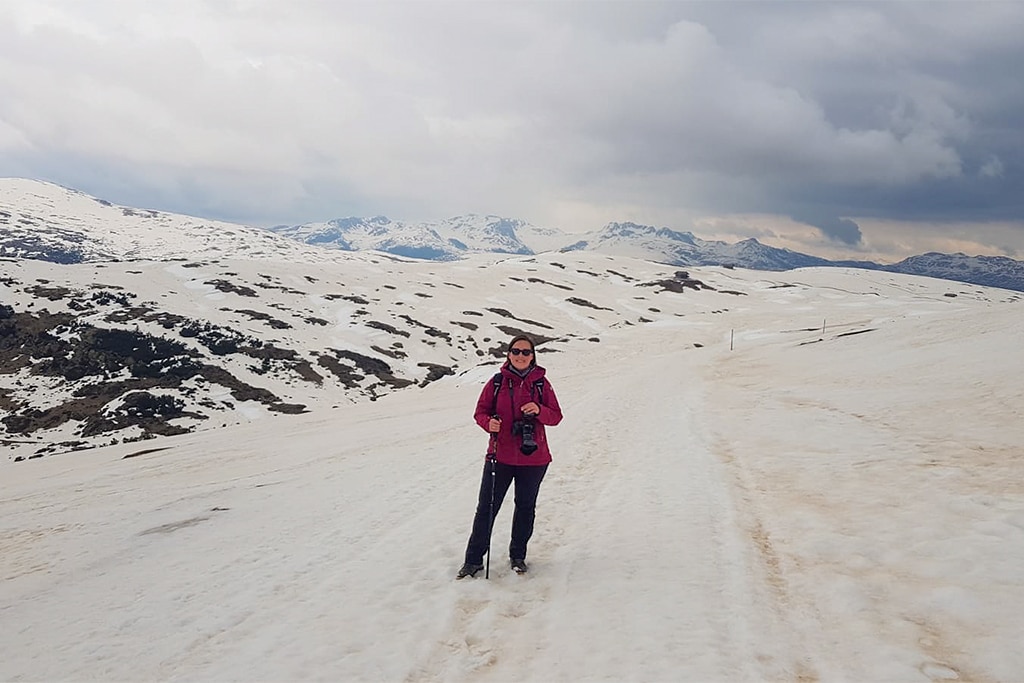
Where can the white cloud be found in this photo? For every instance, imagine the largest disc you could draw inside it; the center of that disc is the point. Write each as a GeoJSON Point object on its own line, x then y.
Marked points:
{"type": "Point", "coordinates": [436, 108]}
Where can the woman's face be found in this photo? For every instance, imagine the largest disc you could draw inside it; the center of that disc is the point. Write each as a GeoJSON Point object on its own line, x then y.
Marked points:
{"type": "Point", "coordinates": [520, 355]}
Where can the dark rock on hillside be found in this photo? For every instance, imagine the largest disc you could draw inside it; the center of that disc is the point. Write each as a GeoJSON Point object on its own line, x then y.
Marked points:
{"type": "Point", "coordinates": [115, 371]}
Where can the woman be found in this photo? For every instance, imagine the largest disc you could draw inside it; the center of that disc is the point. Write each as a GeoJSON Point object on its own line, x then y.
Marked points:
{"type": "Point", "coordinates": [514, 408]}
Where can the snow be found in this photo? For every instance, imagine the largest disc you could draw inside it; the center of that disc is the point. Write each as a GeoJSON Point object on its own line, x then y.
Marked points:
{"type": "Point", "coordinates": [108, 230]}
{"type": "Point", "coordinates": [837, 506]}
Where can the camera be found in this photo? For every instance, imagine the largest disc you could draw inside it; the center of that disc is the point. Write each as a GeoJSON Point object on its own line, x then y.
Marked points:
{"type": "Point", "coordinates": [524, 428]}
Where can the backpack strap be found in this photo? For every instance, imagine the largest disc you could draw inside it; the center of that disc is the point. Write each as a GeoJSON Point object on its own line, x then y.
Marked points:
{"type": "Point", "coordinates": [538, 388]}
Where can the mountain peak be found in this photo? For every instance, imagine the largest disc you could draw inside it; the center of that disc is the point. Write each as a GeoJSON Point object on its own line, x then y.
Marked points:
{"type": "Point", "coordinates": [45, 221]}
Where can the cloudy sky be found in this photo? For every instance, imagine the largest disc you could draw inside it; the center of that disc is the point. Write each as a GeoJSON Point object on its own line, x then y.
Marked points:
{"type": "Point", "coordinates": [840, 129]}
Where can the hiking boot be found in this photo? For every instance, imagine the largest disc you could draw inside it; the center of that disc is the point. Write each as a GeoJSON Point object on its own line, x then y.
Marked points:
{"type": "Point", "coordinates": [519, 566]}
{"type": "Point", "coordinates": [468, 569]}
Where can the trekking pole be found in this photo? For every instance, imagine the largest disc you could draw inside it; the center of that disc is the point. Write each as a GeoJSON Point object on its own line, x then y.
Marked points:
{"type": "Point", "coordinates": [492, 458]}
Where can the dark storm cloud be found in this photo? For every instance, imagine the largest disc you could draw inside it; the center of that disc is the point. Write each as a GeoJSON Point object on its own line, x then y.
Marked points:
{"type": "Point", "coordinates": [823, 111]}
{"type": "Point", "coordinates": [841, 230]}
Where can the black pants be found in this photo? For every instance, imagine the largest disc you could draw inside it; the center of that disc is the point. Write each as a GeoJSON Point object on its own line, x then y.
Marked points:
{"type": "Point", "coordinates": [528, 479]}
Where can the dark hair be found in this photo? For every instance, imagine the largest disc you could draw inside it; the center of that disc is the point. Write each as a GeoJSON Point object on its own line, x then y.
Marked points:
{"type": "Point", "coordinates": [519, 338]}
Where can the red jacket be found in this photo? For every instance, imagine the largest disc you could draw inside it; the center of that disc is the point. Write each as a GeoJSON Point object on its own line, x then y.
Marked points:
{"type": "Point", "coordinates": [509, 409]}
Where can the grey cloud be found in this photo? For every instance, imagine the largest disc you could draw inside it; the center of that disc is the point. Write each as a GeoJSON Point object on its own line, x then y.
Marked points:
{"type": "Point", "coordinates": [829, 111]}
{"type": "Point", "coordinates": [835, 228]}
{"type": "Point", "coordinates": [992, 168]}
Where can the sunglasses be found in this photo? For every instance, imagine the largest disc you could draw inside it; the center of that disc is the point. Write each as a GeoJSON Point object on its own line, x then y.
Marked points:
{"type": "Point", "coordinates": [521, 352]}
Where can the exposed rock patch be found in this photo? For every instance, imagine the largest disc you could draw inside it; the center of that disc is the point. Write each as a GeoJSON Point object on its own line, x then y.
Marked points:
{"type": "Point", "coordinates": [506, 314]}
{"type": "Point", "coordinates": [587, 304]}
{"type": "Point", "coordinates": [680, 283]}
{"type": "Point", "coordinates": [231, 288]}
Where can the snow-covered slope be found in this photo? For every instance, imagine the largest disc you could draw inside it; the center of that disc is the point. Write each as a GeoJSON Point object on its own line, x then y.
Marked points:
{"type": "Point", "coordinates": [97, 352]}
{"type": "Point", "coordinates": [49, 222]}
{"type": "Point", "coordinates": [803, 476]}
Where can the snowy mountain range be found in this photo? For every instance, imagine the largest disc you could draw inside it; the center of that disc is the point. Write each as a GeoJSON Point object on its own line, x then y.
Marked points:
{"type": "Point", "coordinates": [454, 238]}
{"type": "Point", "coordinates": [439, 241]}
{"type": "Point", "coordinates": [47, 222]}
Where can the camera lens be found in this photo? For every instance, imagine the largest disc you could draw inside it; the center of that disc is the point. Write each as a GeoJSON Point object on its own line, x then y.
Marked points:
{"type": "Point", "coordinates": [529, 444]}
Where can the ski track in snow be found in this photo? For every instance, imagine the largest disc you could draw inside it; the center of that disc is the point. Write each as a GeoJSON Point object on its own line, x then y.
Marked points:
{"type": "Point", "coordinates": [609, 572]}
{"type": "Point", "coordinates": [601, 568]}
